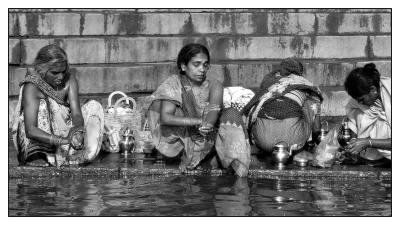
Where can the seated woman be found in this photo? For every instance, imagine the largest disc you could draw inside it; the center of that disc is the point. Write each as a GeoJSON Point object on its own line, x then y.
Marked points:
{"type": "Point", "coordinates": [49, 123]}
{"type": "Point", "coordinates": [285, 108]}
{"type": "Point", "coordinates": [185, 113]}
{"type": "Point", "coordinates": [369, 113]}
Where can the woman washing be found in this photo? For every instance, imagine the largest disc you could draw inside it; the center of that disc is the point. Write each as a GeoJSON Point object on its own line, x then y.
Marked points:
{"type": "Point", "coordinates": [185, 115]}
{"type": "Point", "coordinates": [49, 123]}
{"type": "Point", "coordinates": [369, 113]}
{"type": "Point", "coordinates": [285, 108]}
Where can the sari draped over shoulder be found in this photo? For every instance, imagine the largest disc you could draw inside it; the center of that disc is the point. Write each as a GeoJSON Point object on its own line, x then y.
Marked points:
{"type": "Point", "coordinates": [171, 140]}
{"type": "Point", "coordinates": [374, 121]}
{"type": "Point", "coordinates": [282, 110]}
{"type": "Point", "coordinates": [54, 117]}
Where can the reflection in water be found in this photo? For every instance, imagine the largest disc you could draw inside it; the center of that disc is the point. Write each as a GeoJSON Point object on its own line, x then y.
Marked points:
{"type": "Point", "coordinates": [94, 201]}
{"type": "Point", "coordinates": [325, 200]}
{"type": "Point", "coordinates": [233, 201]}
{"type": "Point", "coordinates": [198, 196]}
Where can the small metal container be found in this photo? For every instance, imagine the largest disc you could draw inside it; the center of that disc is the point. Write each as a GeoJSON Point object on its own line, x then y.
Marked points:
{"type": "Point", "coordinates": [324, 132]}
{"type": "Point", "coordinates": [148, 147]}
{"type": "Point", "coordinates": [280, 155]}
{"type": "Point", "coordinates": [346, 135]}
{"type": "Point", "coordinates": [301, 162]}
{"type": "Point", "coordinates": [127, 143]}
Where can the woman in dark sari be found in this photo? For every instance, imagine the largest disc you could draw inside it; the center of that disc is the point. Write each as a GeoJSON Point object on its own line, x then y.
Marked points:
{"type": "Point", "coordinates": [285, 108]}
{"type": "Point", "coordinates": [185, 115]}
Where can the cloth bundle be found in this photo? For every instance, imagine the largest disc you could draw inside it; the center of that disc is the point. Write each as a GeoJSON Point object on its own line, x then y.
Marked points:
{"type": "Point", "coordinates": [237, 97]}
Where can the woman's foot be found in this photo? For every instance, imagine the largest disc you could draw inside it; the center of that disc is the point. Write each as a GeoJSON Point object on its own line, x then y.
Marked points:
{"type": "Point", "coordinates": [38, 163]}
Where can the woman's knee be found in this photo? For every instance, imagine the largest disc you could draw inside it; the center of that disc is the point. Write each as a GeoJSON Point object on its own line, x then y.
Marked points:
{"type": "Point", "coordinates": [93, 104]}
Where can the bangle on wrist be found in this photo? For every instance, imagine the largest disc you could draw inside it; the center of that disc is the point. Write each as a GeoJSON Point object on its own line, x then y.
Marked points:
{"type": "Point", "coordinates": [186, 121]}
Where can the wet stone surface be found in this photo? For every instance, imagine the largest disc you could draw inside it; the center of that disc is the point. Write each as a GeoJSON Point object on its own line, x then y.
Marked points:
{"type": "Point", "coordinates": [115, 165]}
{"type": "Point", "coordinates": [119, 165]}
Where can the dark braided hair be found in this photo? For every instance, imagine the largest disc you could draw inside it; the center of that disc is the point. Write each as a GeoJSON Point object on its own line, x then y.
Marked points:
{"type": "Point", "coordinates": [361, 79]}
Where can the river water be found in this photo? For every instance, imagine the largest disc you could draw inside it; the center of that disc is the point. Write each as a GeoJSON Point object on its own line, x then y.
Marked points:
{"type": "Point", "coordinates": [198, 196]}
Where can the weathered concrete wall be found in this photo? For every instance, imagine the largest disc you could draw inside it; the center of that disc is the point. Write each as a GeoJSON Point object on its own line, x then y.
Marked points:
{"type": "Point", "coordinates": [135, 50]}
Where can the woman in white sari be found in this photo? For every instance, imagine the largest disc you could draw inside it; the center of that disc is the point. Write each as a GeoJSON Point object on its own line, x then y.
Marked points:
{"type": "Point", "coordinates": [369, 113]}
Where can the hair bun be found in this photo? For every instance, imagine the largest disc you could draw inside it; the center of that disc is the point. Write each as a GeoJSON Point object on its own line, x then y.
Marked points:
{"type": "Point", "coordinates": [370, 70]}
{"type": "Point", "coordinates": [370, 66]}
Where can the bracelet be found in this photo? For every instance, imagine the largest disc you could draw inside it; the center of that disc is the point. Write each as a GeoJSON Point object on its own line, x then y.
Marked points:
{"type": "Point", "coordinates": [370, 143]}
{"type": "Point", "coordinates": [185, 121]}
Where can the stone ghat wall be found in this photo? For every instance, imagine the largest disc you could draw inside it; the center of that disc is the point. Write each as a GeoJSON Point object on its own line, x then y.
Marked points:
{"type": "Point", "coordinates": [134, 50]}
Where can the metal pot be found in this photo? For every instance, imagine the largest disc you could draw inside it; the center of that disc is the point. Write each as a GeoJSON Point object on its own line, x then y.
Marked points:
{"type": "Point", "coordinates": [301, 162]}
{"type": "Point", "coordinates": [346, 136]}
{"type": "Point", "coordinates": [148, 147]}
{"type": "Point", "coordinates": [127, 142]}
{"type": "Point", "coordinates": [323, 133]}
{"type": "Point", "coordinates": [281, 153]}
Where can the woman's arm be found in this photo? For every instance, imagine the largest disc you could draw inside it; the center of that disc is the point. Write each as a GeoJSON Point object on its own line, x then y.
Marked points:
{"type": "Point", "coordinates": [30, 103]}
{"type": "Point", "coordinates": [357, 145]}
{"type": "Point", "coordinates": [216, 100]}
{"type": "Point", "coordinates": [73, 97]}
{"type": "Point", "coordinates": [381, 143]}
{"type": "Point", "coordinates": [167, 116]}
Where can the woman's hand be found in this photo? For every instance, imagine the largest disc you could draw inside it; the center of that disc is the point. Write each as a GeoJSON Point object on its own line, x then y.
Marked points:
{"type": "Point", "coordinates": [206, 128]}
{"type": "Point", "coordinates": [76, 137]}
{"type": "Point", "coordinates": [356, 145]}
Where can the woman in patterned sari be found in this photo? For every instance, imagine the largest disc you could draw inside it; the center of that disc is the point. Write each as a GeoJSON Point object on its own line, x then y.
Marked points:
{"type": "Point", "coordinates": [185, 116]}
{"type": "Point", "coordinates": [49, 123]}
{"type": "Point", "coordinates": [285, 108]}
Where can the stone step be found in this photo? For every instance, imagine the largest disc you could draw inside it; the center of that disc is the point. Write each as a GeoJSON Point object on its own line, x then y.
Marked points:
{"type": "Point", "coordinates": [84, 50]}
{"type": "Point", "coordinates": [183, 22]}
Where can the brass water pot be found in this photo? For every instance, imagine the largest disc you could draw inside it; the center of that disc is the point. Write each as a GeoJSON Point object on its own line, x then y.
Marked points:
{"type": "Point", "coordinates": [281, 153]}
{"type": "Point", "coordinates": [127, 142]}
